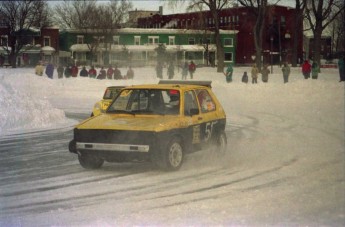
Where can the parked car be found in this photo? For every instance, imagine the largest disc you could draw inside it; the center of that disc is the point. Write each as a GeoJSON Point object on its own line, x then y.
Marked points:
{"type": "Point", "coordinates": [109, 94]}
{"type": "Point", "coordinates": [160, 123]}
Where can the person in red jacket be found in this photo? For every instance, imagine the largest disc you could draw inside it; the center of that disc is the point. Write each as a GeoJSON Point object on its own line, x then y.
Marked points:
{"type": "Point", "coordinates": [110, 72]}
{"type": "Point", "coordinates": [92, 72]}
{"type": "Point", "coordinates": [306, 69]}
{"type": "Point", "coordinates": [191, 69]}
{"type": "Point", "coordinates": [74, 71]}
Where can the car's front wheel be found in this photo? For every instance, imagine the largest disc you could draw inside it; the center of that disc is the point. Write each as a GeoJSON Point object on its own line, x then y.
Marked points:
{"type": "Point", "coordinates": [171, 158]}
{"type": "Point", "coordinates": [90, 161]}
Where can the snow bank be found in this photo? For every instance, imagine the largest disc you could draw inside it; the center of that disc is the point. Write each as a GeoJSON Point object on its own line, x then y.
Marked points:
{"type": "Point", "coordinates": [30, 102]}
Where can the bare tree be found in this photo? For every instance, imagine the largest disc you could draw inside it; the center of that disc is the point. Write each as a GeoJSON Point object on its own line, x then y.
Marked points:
{"type": "Point", "coordinates": [99, 21]}
{"type": "Point", "coordinates": [215, 6]}
{"type": "Point", "coordinates": [257, 8]}
{"type": "Point", "coordinates": [19, 17]}
{"type": "Point", "coordinates": [320, 13]}
{"type": "Point", "coordinates": [298, 22]}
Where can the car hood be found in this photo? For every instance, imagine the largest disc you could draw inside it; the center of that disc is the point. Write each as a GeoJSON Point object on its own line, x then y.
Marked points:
{"type": "Point", "coordinates": [133, 122]}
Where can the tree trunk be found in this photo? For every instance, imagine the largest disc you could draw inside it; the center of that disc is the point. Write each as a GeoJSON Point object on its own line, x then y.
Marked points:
{"type": "Point", "coordinates": [317, 43]}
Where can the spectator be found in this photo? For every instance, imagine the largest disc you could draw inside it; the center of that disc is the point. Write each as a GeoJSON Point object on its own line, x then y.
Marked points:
{"type": "Point", "coordinates": [74, 71]}
{"type": "Point", "coordinates": [191, 69]}
{"type": "Point", "coordinates": [286, 72]}
{"type": "Point", "coordinates": [60, 71]}
{"type": "Point", "coordinates": [83, 72]}
{"type": "Point", "coordinates": [68, 70]}
{"type": "Point", "coordinates": [171, 70]}
{"type": "Point", "coordinates": [50, 70]}
{"type": "Point", "coordinates": [228, 73]}
{"type": "Point", "coordinates": [185, 71]}
{"type": "Point", "coordinates": [159, 70]}
{"type": "Point", "coordinates": [264, 72]}
{"type": "Point", "coordinates": [245, 77]}
{"type": "Point", "coordinates": [315, 69]}
{"type": "Point", "coordinates": [92, 72]}
{"type": "Point", "coordinates": [110, 72]}
{"type": "Point", "coordinates": [102, 74]}
{"type": "Point", "coordinates": [130, 73]}
{"type": "Point", "coordinates": [117, 74]}
{"type": "Point", "coordinates": [39, 69]}
{"type": "Point", "coordinates": [255, 72]}
{"type": "Point", "coordinates": [306, 69]}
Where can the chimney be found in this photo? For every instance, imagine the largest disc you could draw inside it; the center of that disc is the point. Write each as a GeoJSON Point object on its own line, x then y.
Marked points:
{"type": "Point", "coordinates": [160, 10]}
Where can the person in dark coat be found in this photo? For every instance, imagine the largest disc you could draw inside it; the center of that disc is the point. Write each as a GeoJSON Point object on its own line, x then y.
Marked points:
{"type": "Point", "coordinates": [306, 69]}
{"type": "Point", "coordinates": [264, 72]}
{"type": "Point", "coordinates": [60, 71]}
{"type": "Point", "coordinates": [245, 77]}
{"type": "Point", "coordinates": [68, 71]}
{"type": "Point", "coordinates": [117, 74]}
{"type": "Point", "coordinates": [83, 72]}
{"type": "Point", "coordinates": [50, 70]}
{"type": "Point", "coordinates": [102, 74]}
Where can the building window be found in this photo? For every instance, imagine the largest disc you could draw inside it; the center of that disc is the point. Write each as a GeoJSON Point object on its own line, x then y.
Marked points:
{"type": "Point", "coordinates": [46, 41]}
{"type": "Point", "coordinates": [136, 40]}
{"type": "Point", "coordinates": [228, 42]}
{"type": "Point", "coordinates": [228, 56]}
{"type": "Point", "coordinates": [116, 40]}
{"type": "Point", "coordinates": [191, 41]}
{"type": "Point", "coordinates": [171, 40]}
{"type": "Point", "coordinates": [153, 39]}
{"type": "Point", "coordinates": [80, 39]}
{"type": "Point", "coordinates": [4, 40]}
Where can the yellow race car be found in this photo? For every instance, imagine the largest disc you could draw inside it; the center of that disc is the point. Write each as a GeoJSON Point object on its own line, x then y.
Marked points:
{"type": "Point", "coordinates": [109, 94]}
{"type": "Point", "coordinates": [160, 123]}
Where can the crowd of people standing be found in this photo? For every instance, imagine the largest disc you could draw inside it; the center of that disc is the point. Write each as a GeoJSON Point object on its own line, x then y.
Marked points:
{"type": "Point", "coordinates": [73, 71]}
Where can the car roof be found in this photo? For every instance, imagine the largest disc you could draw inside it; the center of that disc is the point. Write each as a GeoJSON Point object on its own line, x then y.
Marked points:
{"type": "Point", "coordinates": [174, 84]}
{"type": "Point", "coordinates": [114, 87]}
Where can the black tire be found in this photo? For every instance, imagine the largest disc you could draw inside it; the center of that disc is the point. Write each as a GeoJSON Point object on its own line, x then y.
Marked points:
{"type": "Point", "coordinates": [90, 161]}
{"type": "Point", "coordinates": [221, 143]}
{"type": "Point", "coordinates": [171, 158]}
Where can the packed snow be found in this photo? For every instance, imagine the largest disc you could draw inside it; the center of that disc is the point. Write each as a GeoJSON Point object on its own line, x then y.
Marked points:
{"type": "Point", "coordinates": [290, 135]}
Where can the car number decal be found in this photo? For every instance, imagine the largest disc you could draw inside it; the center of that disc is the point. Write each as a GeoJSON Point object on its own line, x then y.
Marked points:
{"type": "Point", "coordinates": [209, 130]}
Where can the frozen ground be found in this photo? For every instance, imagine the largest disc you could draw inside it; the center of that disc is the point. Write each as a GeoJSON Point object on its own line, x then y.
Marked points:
{"type": "Point", "coordinates": [285, 165]}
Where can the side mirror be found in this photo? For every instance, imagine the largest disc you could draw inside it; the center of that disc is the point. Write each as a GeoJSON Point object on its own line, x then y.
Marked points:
{"type": "Point", "coordinates": [193, 111]}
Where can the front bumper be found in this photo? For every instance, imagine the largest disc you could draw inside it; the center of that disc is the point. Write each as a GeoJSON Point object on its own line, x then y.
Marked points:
{"type": "Point", "coordinates": [112, 147]}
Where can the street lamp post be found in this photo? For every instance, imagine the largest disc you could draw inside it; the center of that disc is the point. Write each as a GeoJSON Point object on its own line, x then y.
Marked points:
{"type": "Point", "coordinates": [271, 39]}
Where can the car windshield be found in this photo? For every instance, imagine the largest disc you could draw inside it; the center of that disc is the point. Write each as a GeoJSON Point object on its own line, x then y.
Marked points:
{"type": "Point", "coordinates": [147, 101]}
{"type": "Point", "coordinates": [111, 93]}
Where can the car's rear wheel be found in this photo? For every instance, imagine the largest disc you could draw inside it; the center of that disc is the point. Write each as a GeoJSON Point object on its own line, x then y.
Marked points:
{"type": "Point", "coordinates": [90, 161]}
{"type": "Point", "coordinates": [171, 158]}
{"type": "Point", "coordinates": [221, 143]}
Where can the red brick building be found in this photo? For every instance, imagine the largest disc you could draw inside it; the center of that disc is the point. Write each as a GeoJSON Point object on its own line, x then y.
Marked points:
{"type": "Point", "coordinates": [40, 45]}
{"type": "Point", "coordinates": [277, 34]}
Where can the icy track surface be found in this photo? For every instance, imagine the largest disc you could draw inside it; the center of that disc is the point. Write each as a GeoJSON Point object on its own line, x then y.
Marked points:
{"type": "Point", "coordinates": [285, 164]}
